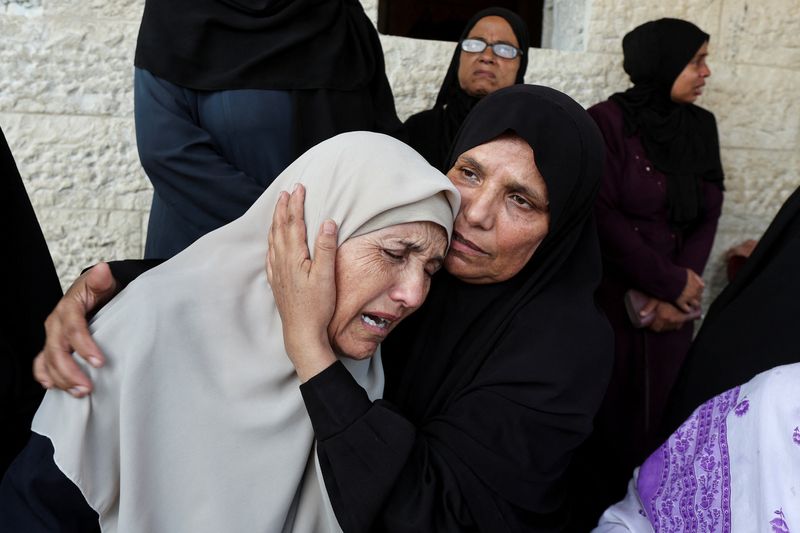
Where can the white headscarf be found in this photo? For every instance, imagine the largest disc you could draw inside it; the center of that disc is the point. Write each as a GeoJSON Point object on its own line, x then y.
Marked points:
{"type": "Point", "coordinates": [196, 422]}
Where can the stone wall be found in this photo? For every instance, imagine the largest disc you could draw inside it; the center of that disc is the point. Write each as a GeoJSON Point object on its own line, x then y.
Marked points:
{"type": "Point", "coordinates": [66, 105]}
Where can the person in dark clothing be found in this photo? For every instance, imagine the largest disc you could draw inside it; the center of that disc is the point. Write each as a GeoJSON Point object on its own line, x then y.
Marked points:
{"type": "Point", "coordinates": [750, 326]}
{"type": "Point", "coordinates": [657, 213]}
{"type": "Point", "coordinates": [490, 391]}
{"type": "Point", "coordinates": [474, 72]}
{"type": "Point", "coordinates": [35, 290]}
{"type": "Point", "coordinates": [227, 94]}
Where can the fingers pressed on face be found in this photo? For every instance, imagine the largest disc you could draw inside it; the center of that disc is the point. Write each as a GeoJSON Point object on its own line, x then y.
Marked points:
{"type": "Point", "coordinates": [296, 212]}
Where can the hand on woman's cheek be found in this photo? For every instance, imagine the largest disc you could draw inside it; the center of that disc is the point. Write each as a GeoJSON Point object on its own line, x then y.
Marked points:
{"type": "Point", "coordinates": [304, 290]}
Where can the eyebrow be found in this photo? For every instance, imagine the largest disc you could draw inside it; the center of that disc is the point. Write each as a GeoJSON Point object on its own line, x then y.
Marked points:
{"type": "Point", "coordinates": [473, 163]}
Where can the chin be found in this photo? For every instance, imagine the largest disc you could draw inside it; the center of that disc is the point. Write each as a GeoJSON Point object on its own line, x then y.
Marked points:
{"type": "Point", "coordinates": [357, 351]}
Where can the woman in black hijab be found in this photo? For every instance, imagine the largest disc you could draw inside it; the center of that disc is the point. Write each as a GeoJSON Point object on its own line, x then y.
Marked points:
{"type": "Point", "coordinates": [491, 385]}
{"type": "Point", "coordinates": [494, 381]}
{"type": "Point", "coordinates": [32, 284]}
{"type": "Point", "coordinates": [751, 326]}
{"type": "Point", "coordinates": [431, 132]}
{"type": "Point", "coordinates": [657, 212]}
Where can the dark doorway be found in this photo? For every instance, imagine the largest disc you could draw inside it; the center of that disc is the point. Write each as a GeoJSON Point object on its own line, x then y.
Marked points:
{"type": "Point", "coordinates": [443, 20]}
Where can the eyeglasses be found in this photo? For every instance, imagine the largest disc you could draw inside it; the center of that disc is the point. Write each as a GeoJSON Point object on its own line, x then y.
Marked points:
{"type": "Point", "coordinates": [476, 46]}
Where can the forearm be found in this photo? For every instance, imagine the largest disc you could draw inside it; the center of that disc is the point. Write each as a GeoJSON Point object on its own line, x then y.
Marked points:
{"type": "Point", "coordinates": [362, 446]}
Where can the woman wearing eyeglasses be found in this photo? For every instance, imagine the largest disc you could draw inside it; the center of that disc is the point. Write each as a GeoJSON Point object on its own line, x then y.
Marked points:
{"type": "Point", "coordinates": [492, 53]}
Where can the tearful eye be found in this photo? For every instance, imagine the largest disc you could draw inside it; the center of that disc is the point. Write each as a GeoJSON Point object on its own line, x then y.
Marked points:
{"type": "Point", "coordinates": [393, 255]}
{"type": "Point", "coordinates": [520, 201]}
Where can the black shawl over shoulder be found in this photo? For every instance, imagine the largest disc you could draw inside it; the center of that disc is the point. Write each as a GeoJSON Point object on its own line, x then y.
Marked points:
{"type": "Point", "coordinates": [680, 139]}
{"type": "Point", "coordinates": [326, 52]}
{"type": "Point", "coordinates": [31, 285]}
{"type": "Point", "coordinates": [431, 132]}
{"type": "Point", "coordinates": [751, 326]}
{"type": "Point", "coordinates": [490, 388]}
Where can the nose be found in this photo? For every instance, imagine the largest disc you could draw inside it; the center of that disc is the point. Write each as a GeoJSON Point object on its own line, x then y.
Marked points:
{"type": "Point", "coordinates": [477, 208]}
{"type": "Point", "coordinates": [706, 71]}
{"type": "Point", "coordinates": [411, 288]}
{"type": "Point", "coordinates": [487, 55]}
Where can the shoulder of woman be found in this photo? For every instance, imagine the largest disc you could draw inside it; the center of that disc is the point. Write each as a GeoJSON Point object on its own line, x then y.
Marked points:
{"type": "Point", "coordinates": [608, 117]}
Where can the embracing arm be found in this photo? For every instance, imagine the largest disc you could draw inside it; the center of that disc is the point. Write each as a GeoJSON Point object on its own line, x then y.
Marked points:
{"type": "Point", "coordinates": [68, 330]}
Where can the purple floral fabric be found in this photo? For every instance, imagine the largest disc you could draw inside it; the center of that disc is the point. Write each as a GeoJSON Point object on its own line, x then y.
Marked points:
{"type": "Point", "coordinates": [685, 485]}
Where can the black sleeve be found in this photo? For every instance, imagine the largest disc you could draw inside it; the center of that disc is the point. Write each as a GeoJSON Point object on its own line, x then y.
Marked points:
{"type": "Point", "coordinates": [35, 496]}
{"type": "Point", "coordinates": [351, 430]}
{"type": "Point", "coordinates": [493, 460]}
{"type": "Point", "coordinates": [128, 270]}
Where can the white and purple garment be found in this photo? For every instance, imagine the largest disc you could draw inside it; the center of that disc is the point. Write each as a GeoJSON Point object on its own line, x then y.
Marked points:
{"type": "Point", "coordinates": [733, 465]}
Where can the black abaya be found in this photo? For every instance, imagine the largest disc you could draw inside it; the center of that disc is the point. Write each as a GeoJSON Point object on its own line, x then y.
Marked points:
{"type": "Point", "coordinates": [752, 324]}
{"type": "Point", "coordinates": [489, 388]}
{"type": "Point", "coordinates": [31, 283]}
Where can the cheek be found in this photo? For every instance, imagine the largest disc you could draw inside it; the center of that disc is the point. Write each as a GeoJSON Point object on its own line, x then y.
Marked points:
{"type": "Point", "coordinates": [518, 243]}
{"type": "Point", "coordinates": [510, 74]}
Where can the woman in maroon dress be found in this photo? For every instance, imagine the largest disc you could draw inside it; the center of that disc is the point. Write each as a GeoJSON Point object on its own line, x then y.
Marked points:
{"type": "Point", "coordinates": [657, 213]}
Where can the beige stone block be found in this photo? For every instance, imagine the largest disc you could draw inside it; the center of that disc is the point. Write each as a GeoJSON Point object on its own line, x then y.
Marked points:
{"type": "Point", "coordinates": [415, 69]}
{"type": "Point", "coordinates": [66, 66]}
{"type": "Point", "coordinates": [121, 10]}
{"type": "Point", "coordinates": [78, 238]}
{"type": "Point", "coordinates": [78, 162]}
{"type": "Point", "coordinates": [756, 107]}
{"type": "Point", "coordinates": [608, 21]}
{"type": "Point", "coordinates": [760, 33]}
{"type": "Point", "coordinates": [758, 181]}
{"type": "Point", "coordinates": [588, 78]}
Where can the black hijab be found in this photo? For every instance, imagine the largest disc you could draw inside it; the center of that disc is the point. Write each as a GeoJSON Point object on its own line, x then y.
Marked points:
{"type": "Point", "coordinates": [537, 339]}
{"type": "Point", "coordinates": [31, 285]}
{"type": "Point", "coordinates": [680, 139]}
{"type": "Point", "coordinates": [751, 326]}
{"type": "Point", "coordinates": [431, 132]}
{"type": "Point", "coordinates": [327, 52]}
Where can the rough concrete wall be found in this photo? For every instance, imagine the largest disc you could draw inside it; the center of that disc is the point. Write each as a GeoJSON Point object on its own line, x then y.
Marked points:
{"type": "Point", "coordinates": [66, 106]}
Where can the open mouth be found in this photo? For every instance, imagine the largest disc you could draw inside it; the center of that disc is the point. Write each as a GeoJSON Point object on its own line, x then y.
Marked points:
{"type": "Point", "coordinates": [375, 321]}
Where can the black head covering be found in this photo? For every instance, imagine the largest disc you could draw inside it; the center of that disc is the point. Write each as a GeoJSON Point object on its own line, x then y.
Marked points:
{"type": "Point", "coordinates": [751, 326]}
{"type": "Point", "coordinates": [31, 283]}
{"type": "Point", "coordinates": [680, 139]}
{"type": "Point", "coordinates": [539, 333]}
{"type": "Point", "coordinates": [431, 132]}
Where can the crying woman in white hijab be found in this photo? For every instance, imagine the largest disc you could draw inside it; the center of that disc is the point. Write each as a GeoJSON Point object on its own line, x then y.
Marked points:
{"type": "Point", "coordinates": [196, 421]}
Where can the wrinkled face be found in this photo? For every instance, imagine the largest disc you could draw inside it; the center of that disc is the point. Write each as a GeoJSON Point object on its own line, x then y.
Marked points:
{"type": "Point", "coordinates": [381, 278]}
{"type": "Point", "coordinates": [690, 82]}
{"type": "Point", "coordinates": [504, 213]}
{"type": "Point", "coordinates": [482, 73]}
